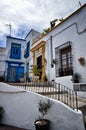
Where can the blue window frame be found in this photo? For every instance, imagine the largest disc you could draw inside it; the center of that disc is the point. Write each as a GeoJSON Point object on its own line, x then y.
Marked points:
{"type": "Point", "coordinates": [15, 51]}
{"type": "Point", "coordinates": [27, 50]}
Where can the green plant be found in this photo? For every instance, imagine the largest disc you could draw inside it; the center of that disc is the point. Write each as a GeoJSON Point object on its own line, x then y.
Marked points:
{"type": "Point", "coordinates": [45, 78]}
{"type": "Point", "coordinates": [45, 31]}
{"type": "Point", "coordinates": [35, 70]}
{"type": "Point", "coordinates": [45, 60]}
{"type": "Point", "coordinates": [2, 79]}
{"type": "Point", "coordinates": [54, 61]}
{"type": "Point", "coordinates": [1, 112]}
{"type": "Point", "coordinates": [52, 65]}
{"type": "Point", "coordinates": [44, 106]}
{"type": "Point", "coordinates": [76, 77]}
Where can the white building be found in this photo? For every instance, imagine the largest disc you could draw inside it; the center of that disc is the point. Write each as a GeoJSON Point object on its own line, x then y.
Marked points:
{"type": "Point", "coordinates": [30, 38]}
{"type": "Point", "coordinates": [63, 47]}
{"type": "Point", "coordinates": [2, 61]}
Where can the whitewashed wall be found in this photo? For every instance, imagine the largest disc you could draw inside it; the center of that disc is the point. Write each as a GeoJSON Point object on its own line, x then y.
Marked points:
{"type": "Point", "coordinates": [68, 32]}
{"type": "Point", "coordinates": [2, 61]}
{"type": "Point", "coordinates": [31, 36]}
{"type": "Point", "coordinates": [21, 110]}
{"type": "Point", "coordinates": [73, 29]}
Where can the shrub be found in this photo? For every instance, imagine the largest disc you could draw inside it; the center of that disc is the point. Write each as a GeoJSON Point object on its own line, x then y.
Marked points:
{"type": "Point", "coordinates": [1, 112]}
{"type": "Point", "coordinates": [2, 79]}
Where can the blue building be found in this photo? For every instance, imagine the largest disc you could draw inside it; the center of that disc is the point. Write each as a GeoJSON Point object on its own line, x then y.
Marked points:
{"type": "Point", "coordinates": [15, 59]}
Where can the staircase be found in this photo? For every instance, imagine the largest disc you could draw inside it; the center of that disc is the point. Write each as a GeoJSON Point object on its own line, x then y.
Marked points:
{"type": "Point", "coordinates": [58, 92]}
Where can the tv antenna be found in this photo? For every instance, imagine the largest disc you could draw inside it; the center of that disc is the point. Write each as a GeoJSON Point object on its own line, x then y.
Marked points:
{"type": "Point", "coordinates": [80, 3]}
{"type": "Point", "coordinates": [10, 28]}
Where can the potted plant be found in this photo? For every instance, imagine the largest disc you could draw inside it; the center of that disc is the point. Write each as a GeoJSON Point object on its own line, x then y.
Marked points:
{"type": "Point", "coordinates": [1, 113]}
{"type": "Point", "coordinates": [2, 79]}
{"type": "Point", "coordinates": [42, 123]}
{"type": "Point", "coordinates": [45, 60]}
{"type": "Point", "coordinates": [52, 65]}
{"type": "Point", "coordinates": [45, 78]}
{"type": "Point", "coordinates": [76, 77]}
{"type": "Point", "coordinates": [54, 61]}
{"type": "Point", "coordinates": [36, 72]}
{"type": "Point", "coordinates": [81, 60]}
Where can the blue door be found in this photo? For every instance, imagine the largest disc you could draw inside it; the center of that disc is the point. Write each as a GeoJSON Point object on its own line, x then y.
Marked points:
{"type": "Point", "coordinates": [15, 73]}
{"type": "Point", "coordinates": [11, 76]}
{"type": "Point", "coordinates": [19, 73]}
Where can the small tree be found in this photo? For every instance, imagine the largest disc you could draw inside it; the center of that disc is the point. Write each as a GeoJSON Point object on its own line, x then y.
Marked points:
{"type": "Point", "coordinates": [43, 107]}
{"type": "Point", "coordinates": [35, 70]}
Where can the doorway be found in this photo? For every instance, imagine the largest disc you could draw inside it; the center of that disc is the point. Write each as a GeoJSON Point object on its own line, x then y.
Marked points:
{"type": "Point", "coordinates": [39, 65]}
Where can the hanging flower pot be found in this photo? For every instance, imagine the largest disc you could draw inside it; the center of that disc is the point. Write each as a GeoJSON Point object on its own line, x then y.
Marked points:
{"type": "Point", "coordinates": [81, 60]}
{"type": "Point", "coordinates": [54, 61]}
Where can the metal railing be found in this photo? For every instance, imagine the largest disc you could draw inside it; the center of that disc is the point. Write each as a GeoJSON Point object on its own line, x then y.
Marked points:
{"type": "Point", "coordinates": [52, 90]}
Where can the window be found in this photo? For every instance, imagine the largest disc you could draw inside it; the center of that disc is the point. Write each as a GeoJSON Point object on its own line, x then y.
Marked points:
{"type": "Point", "coordinates": [15, 51]}
{"type": "Point", "coordinates": [64, 58]}
{"type": "Point", "coordinates": [27, 50]}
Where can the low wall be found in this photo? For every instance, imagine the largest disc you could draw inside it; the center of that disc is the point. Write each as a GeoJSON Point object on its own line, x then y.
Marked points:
{"type": "Point", "coordinates": [66, 81]}
{"type": "Point", "coordinates": [21, 110]}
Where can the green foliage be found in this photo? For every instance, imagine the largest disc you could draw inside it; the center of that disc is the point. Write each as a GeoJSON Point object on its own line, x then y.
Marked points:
{"type": "Point", "coordinates": [1, 112]}
{"type": "Point", "coordinates": [45, 31]}
{"type": "Point", "coordinates": [45, 60]}
{"type": "Point", "coordinates": [45, 78]}
{"type": "Point", "coordinates": [35, 70]}
{"type": "Point", "coordinates": [2, 79]}
{"type": "Point", "coordinates": [76, 77]}
{"type": "Point", "coordinates": [44, 106]}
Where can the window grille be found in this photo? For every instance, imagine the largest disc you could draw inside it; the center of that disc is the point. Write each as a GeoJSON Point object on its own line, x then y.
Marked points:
{"type": "Point", "coordinates": [63, 56]}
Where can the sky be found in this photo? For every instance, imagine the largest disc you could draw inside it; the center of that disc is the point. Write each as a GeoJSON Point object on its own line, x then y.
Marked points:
{"type": "Point", "coordinates": [24, 15]}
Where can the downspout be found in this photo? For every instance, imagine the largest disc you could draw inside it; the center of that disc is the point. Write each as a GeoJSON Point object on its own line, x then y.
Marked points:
{"type": "Point", "coordinates": [51, 48]}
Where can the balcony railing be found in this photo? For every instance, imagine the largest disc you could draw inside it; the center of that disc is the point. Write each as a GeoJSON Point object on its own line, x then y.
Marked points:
{"type": "Point", "coordinates": [65, 72]}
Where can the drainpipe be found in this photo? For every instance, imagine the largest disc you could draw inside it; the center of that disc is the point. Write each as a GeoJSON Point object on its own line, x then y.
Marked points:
{"type": "Point", "coordinates": [51, 49]}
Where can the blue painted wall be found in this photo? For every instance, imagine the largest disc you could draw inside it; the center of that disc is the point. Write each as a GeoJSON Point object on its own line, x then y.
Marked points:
{"type": "Point", "coordinates": [15, 71]}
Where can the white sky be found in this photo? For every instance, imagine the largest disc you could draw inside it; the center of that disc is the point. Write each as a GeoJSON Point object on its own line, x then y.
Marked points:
{"type": "Point", "coordinates": [24, 15]}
